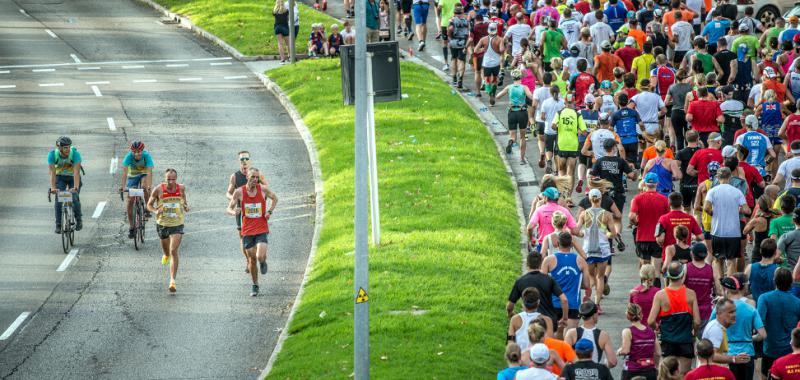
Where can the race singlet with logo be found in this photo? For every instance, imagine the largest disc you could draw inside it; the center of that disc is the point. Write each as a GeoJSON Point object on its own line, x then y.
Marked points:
{"type": "Point", "coordinates": [172, 207]}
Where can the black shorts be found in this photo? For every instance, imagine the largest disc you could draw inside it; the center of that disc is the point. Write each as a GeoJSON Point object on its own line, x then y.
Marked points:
{"type": "Point", "coordinates": [165, 232]}
{"type": "Point", "coordinates": [682, 350]}
{"type": "Point", "coordinates": [632, 154]}
{"type": "Point", "coordinates": [281, 30]}
{"type": "Point", "coordinates": [458, 53]}
{"type": "Point", "coordinates": [619, 200]}
{"type": "Point", "coordinates": [405, 5]}
{"type": "Point", "coordinates": [567, 153]}
{"type": "Point", "coordinates": [646, 250]}
{"type": "Point", "coordinates": [550, 142]}
{"type": "Point", "coordinates": [517, 119]}
{"type": "Point", "coordinates": [250, 241]}
{"type": "Point", "coordinates": [572, 314]}
{"type": "Point", "coordinates": [725, 247]}
{"type": "Point", "coordinates": [491, 71]}
{"type": "Point", "coordinates": [540, 128]}
{"type": "Point", "coordinates": [688, 193]}
{"type": "Point", "coordinates": [586, 160]}
{"type": "Point", "coordinates": [443, 31]}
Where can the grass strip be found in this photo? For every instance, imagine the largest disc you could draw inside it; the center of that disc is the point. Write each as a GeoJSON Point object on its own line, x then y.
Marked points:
{"type": "Point", "coordinates": [247, 25]}
{"type": "Point", "coordinates": [450, 236]}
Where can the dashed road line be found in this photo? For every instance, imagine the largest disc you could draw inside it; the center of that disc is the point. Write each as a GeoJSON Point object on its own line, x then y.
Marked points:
{"type": "Point", "coordinates": [99, 209]}
{"type": "Point", "coordinates": [189, 79]}
{"type": "Point", "coordinates": [43, 70]}
{"type": "Point", "coordinates": [25, 13]}
{"type": "Point", "coordinates": [96, 91]}
{"type": "Point", "coordinates": [8, 86]}
{"type": "Point", "coordinates": [99, 82]}
{"type": "Point", "coordinates": [236, 77]}
{"type": "Point", "coordinates": [113, 167]}
{"type": "Point", "coordinates": [178, 65]}
{"type": "Point", "coordinates": [4, 71]}
{"type": "Point", "coordinates": [219, 63]}
{"type": "Point", "coordinates": [51, 84]}
{"type": "Point", "coordinates": [127, 67]}
{"type": "Point", "coordinates": [50, 32]}
{"type": "Point", "coordinates": [75, 58]}
{"type": "Point", "coordinates": [144, 81]}
{"type": "Point", "coordinates": [111, 124]}
{"type": "Point", "coordinates": [67, 260]}
{"type": "Point", "coordinates": [89, 68]}
{"type": "Point", "coordinates": [116, 62]}
{"type": "Point", "coordinates": [15, 325]}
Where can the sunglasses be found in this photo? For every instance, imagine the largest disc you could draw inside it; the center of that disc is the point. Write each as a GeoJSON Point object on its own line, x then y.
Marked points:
{"type": "Point", "coordinates": [244, 158]}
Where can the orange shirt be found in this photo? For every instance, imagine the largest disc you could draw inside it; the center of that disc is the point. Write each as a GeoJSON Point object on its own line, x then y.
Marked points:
{"type": "Point", "coordinates": [563, 350]}
{"type": "Point", "coordinates": [778, 87]}
{"type": "Point", "coordinates": [650, 153]}
{"type": "Point", "coordinates": [605, 64]}
{"type": "Point", "coordinates": [640, 37]}
{"type": "Point", "coordinates": [669, 19]}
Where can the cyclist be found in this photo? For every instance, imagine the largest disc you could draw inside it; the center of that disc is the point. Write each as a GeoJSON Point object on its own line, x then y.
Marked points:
{"type": "Point", "coordinates": [65, 174]}
{"type": "Point", "coordinates": [251, 198]}
{"type": "Point", "coordinates": [137, 173]}
{"type": "Point", "coordinates": [168, 201]}
{"type": "Point", "coordinates": [239, 179]}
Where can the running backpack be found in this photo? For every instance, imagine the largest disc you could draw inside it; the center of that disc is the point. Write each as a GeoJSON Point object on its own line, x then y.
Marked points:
{"type": "Point", "coordinates": [460, 33]}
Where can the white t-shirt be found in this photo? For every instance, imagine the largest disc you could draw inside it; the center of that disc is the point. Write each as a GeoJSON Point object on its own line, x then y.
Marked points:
{"type": "Point", "coordinates": [786, 169]}
{"type": "Point", "coordinates": [683, 31]}
{"type": "Point", "coordinates": [600, 32]}
{"type": "Point", "coordinates": [694, 6]}
{"type": "Point", "coordinates": [571, 63]}
{"type": "Point", "coordinates": [571, 30]}
{"type": "Point", "coordinates": [518, 32]}
{"type": "Point", "coordinates": [590, 19]}
{"type": "Point", "coordinates": [648, 103]}
{"type": "Point", "coordinates": [755, 94]}
{"type": "Point", "coordinates": [598, 137]}
{"type": "Point", "coordinates": [586, 51]}
{"type": "Point", "coordinates": [716, 333]}
{"type": "Point", "coordinates": [540, 94]}
{"type": "Point", "coordinates": [535, 374]}
{"type": "Point", "coordinates": [537, 34]}
{"type": "Point", "coordinates": [550, 107]}
{"type": "Point", "coordinates": [726, 200]}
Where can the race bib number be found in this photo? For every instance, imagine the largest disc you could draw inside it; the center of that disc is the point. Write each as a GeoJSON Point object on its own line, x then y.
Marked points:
{"type": "Point", "coordinates": [64, 196]}
{"type": "Point", "coordinates": [136, 192]}
{"type": "Point", "coordinates": [252, 210]}
{"type": "Point", "coordinates": [171, 209]}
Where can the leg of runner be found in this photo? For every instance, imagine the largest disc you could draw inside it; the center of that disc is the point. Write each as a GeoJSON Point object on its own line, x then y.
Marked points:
{"type": "Point", "coordinates": [522, 146]}
{"type": "Point", "coordinates": [570, 162]}
{"type": "Point", "coordinates": [244, 252]}
{"type": "Point", "coordinates": [174, 245]}
{"type": "Point", "coordinates": [261, 255]}
{"type": "Point", "coordinates": [600, 274]}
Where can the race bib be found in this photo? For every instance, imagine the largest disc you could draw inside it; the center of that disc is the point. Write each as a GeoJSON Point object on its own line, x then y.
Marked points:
{"type": "Point", "coordinates": [252, 210]}
{"type": "Point", "coordinates": [171, 209]}
{"type": "Point", "coordinates": [64, 197]}
{"type": "Point", "coordinates": [136, 192]}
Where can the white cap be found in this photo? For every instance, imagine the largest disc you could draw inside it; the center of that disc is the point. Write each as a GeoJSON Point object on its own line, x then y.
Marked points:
{"type": "Point", "coordinates": [728, 151]}
{"type": "Point", "coordinates": [589, 98]}
{"type": "Point", "coordinates": [539, 353]}
{"type": "Point", "coordinates": [630, 41]}
{"type": "Point", "coordinates": [743, 27]}
{"type": "Point", "coordinates": [540, 4]}
{"type": "Point", "coordinates": [595, 193]}
{"type": "Point", "coordinates": [751, 120]}
{"type": "Point", "coordinates": [570, 3]}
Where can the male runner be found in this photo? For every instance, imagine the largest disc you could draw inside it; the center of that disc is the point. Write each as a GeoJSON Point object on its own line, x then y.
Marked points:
{"type": "Point", "coordinates": [65, 174]}
{"type": "Point", "coordinates": [255, 229]}
{"type": "Point", "coordinates": [239, 179]}
{"type": "Point", "coordinates": [168, 201]}
{"type": "Point", "coordinates": [137, 173]}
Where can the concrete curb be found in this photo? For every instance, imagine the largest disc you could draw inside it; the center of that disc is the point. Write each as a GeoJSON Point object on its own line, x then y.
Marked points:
{"type": "Point", "coordinates": [302, 128]}
{"type": "Point", "coordinates": [494, 127]}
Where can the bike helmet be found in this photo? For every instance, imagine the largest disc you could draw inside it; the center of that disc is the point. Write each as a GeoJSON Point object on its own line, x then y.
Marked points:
{"type": "Point", "coordinates": [63, 141]}
{"type": "Point", "coordinates": [137, 146]}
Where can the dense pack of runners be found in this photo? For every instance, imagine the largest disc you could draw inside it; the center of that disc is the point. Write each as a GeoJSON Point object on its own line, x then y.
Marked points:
{"type": "Point", "coordinates": [678, 121]}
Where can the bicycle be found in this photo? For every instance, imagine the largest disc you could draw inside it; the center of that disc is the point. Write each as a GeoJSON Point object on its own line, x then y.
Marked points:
{"type": "Point", "coordinates": [139, 218]}
{"type": "Point", "coordinates": [67, 217]}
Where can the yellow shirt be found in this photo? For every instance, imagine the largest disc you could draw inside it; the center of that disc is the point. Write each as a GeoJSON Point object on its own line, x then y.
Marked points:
{"type": "Point", "coordinates": [641, 66]}
{"type": "Point", "coordinates": [172, 203]}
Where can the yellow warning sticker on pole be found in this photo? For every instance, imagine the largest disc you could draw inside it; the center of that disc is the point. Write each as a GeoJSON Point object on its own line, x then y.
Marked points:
{"type": "Point", "coordinates": [362, 296]}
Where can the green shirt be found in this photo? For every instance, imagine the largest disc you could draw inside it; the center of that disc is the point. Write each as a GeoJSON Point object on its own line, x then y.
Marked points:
{"type": "Point", "coordinates": [708, 64]}
{"type": "Point", "coordinates": [569, 123]}
{"type": "Point", "coordinates": [780, 226]}
{"type": "Point", "coordinates": [552, 44]}
{"type": "Point", "coordinates": [448, 6]}
{"type": "Point", "coordinates": [773, 32]}
{"type": "Point", "coordinates": [750, 40]}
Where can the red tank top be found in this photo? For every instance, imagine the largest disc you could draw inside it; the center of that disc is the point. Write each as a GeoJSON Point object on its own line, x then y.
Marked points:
{"type": "Point", "coordinates": [677, 302]}
{"type": "Point", "coordinates": [166, 194]}
{"type": "Point", "coordinates": [254, 209]}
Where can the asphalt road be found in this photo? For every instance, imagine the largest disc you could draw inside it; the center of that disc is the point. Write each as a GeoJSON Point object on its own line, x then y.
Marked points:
{"type": "Point", "coordinates": [109, 315]}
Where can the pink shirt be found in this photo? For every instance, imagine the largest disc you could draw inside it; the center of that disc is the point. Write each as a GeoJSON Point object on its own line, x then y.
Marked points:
{"type": "Point", "coordinates": [643, 298]}
{"type": "Point", "coordinates": [543, 216]}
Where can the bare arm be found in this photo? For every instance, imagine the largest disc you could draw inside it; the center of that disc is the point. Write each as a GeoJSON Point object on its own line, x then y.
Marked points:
{"type": "Point", "coordinates": [231, 187]}
{"type": "Point", "coordinates": [233, 205]}
{"type": "Point", "coordinates": [608, 348]}
{"type": "Point", "coordinates": [625, 347]}
{"type": "Point", "coordinates": [154, 197]}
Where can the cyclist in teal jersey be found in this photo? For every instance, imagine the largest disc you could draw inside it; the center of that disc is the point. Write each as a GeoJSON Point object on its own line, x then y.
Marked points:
{"type": "Point", "coordinates": [65, 174]}
{"type": "Point", "coordinates": [137, 173]}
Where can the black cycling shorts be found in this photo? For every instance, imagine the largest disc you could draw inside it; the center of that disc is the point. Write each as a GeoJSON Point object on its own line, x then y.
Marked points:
{"type": "Point", "coordinates": [725, 247]}
{"type": "Point", "coordinates": [166, 232]}
{"type": "Point", "coordinates": [517, 119]}
{"type": "Point", "coordinates": [647, 250]}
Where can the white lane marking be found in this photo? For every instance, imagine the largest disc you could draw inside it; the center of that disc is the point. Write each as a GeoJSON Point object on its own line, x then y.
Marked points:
{"type": "Point", "coordinates": [67, 260]}
{"type": "Point", "coordinates": [114, 62]}
{"type": "Point", "coordinates": [43, 70]}
{"type": "Point", "coordinates": [51, 84]}
{"type": "Point", "coordinates": [25, 13]}
{"type": "Point", "coordinates": [144, 81]}
{"type": "Point", "coordinates": [113, 167]}
{"type": "Point", "coordinates": [96, 91]}
{"type": "Point", "coordinates": [5, 72]}
{"type": "Point", "coordinates": [133, 67]}
{"type": "Point", "coordinates": [111, 124]}
{"type": "Point", "coordinates": [99, 209]}
{"type": "Point", "coordinates": [15, 325]}
{"type": "Point", "coordinates": [237, 77]}
{"type": "Point", "coordinates": [89, 68]}
{"type": "Point", "coordinates": [178, 65]}
{"type": "Point", "coordinates": [99, 82]}
{"type": "Point", "coordinates": [8, 86]}
{"type": "Point", "coordinates": [50, 32]}
{"type": "Point", "coordinates": [438, 58]}
{"type": "Point", "coordinates": [220, 63]}
{"type": "Point", "coordinates": [75, 58]}
{"type": "Point", "coordinates": [189, 79]}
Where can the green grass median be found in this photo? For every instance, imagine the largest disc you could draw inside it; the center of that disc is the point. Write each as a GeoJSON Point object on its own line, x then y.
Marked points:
{"type": "Point", "coordinates": [247, 25]}
{"type": "Point", "coordinates": [450, 236]}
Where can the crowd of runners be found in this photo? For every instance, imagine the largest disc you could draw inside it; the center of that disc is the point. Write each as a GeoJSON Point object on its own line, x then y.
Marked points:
{"type": "Point", "coordinates": [694, 107]}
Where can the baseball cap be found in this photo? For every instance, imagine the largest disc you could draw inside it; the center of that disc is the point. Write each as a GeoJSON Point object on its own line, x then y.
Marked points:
{"type": "Point", "coordinates": [651, 179]}
{"type": "Point", "coordinates": [584, 345]}
{"type": "Point", "coordinates": [595, 193]}
{"type": "Point", "coordinates": [609, 143]}
{"type": "Point", "coordinates": [770, 72]}
{"type": "Point", "coordinates": [605, 45]}
{"type": "Point", "coordinates": [551, 193]}
{"type": "Point", "coordinates": [589, 98]}
{"type": "Point", "coordinates": [743, 27]}
{"type": "Point", "coordinates": [793, 19]}
{"type": "Point", "coordinates": [699, 250]}
{"type": "Point", "coordinates": [540, 354]}
{"type": "Point", "coordinates": [714, 136]}
{"type": "Point", "coordinates": [751, 120]}
{"type": "Point", "coordinates": [540, 4]}
{"type": "Point", "coordinates": [605, 84]}
{"type": "Point", "coordinates": [570, 3]}
{"type": "Point", "coordinates": [658, 12]}
{"type": "Point", "coordinates": [728, 151]}
{"type": "Point", "coordinates": [604, 118]}
{"type": "Point", "coordinates": [630, 41]}
{"type": "Point", "coordinates": [492, 29]}
{"type": "Point", "coordinates": [631, 14]}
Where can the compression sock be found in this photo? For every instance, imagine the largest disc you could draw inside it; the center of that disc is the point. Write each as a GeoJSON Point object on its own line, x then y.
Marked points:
{"type": "Point", "coordinates": [408, 24]}
{"type": "Point", "coordinates": [444, 53]}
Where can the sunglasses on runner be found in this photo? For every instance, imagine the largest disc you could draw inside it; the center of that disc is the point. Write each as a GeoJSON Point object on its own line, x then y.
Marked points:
{"type": "Point", "coordinates": [244, 158]}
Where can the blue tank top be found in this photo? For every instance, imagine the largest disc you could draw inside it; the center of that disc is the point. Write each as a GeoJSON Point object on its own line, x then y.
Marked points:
{"type": "Point", "coordinates": [516, 95]}
{"type": "Point", "coordinates": [756, 144]}
{"type": "Point", "coordinates": [771, 114]}
{"type": "Point", "coordinates": [664, 186]}
{"type": "Point", "coordinates": [625, 125]}
{"type": "Point", "coordinates": [761, 279]}
{"type": "Point", "coordinates": [744, 75]}
{"type": "Point", "coordinates": [568, 276]}
{"type": "Point", "coordinates": [590, 118]}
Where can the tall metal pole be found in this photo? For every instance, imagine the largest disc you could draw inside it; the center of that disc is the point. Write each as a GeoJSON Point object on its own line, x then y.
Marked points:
{"type": "Point", "coordinates": [374, 204]}
{"type": "Point", "coordinates": [361, 309]}
{"type": "Point", "coordinates": [392, 22]}
{"type": "Point", "coordinates": [292, 37]}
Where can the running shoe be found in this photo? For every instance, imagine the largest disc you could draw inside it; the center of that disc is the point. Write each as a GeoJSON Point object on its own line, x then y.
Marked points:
{"type": "Point", "coordinates": [446, 67]}
{"type": "Point", "coordinates": [620, 244]}
{"type": "Point", "coordinates": [548, 168]}
{"type": "Point", "coordinates": [254, 291]}
{"type": "Point", "coordinates": [164, 260]}
{"type": "Point", "coordinates": [606, 288]}
{"type": "Point", "coordinates": [421, 46]}
{"type": "Point", "coordinates": [410, 36]}
{"type": "Point", "coordinates": [460, 83]}
{"type": "Point", "coordinates": [262, 265]}
{"type": "Point", "coordinates": [541, 161]}
{"type": "Point", "coordinates": [509, 146]}
{"type": "Point", "coordinates": [523, 161]}
{"type": "Point", "coordinates": [58, 229]}
{"type": "Point", "coordinates": [131, 234]}
{"type": "Point", "coordinates": [599, 310]}
{"type": "Point", "coordinates": [579, 187]}
{"type": "Point", "coordinates": [455, 80]}
{"type": "Point", "coordinates": [78, 225]}
{"type": "Point", "coordinates": [491, 98]}
{"type": "Point", "coordinates": [172, 288]}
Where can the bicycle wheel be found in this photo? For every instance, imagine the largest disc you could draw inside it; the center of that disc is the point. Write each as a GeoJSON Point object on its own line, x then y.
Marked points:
{"type": "Point", "coordinates": [137, 224]}
{"type": "Point", "coordinates": [142, 223]}
{"type": "Point", "coordinates": [71, 226]}
{"type": "Point", "coordinates": [64, 228]}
